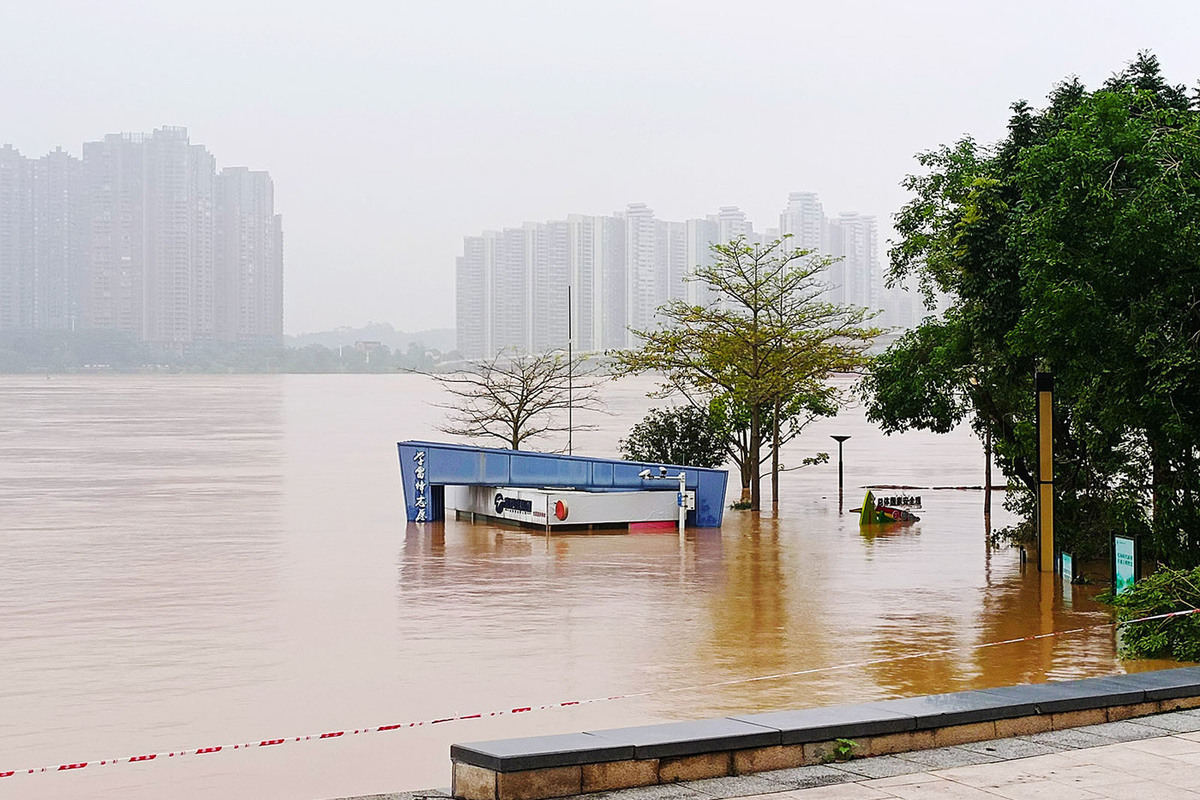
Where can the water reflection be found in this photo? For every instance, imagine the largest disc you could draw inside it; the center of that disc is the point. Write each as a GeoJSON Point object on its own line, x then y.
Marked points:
{"type": "Point", "coordinates": [190, 560]}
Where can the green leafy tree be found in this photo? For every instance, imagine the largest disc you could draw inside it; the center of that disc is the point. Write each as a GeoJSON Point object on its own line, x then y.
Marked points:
{"type": "Point", "coordinates": [765, 344]}
{"type": "Point", "coordinates": [683, 435]}
{"type": "Point", "coordinates": [1072, 245]}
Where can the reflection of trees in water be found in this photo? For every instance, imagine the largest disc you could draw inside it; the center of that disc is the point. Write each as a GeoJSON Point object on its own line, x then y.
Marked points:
{"type": "Point", "coordinates": [1026, 603]}
{"type": "Point", "coordinates": [754, 629]}
{"type": "Point", "coordinates": [1016, 603]}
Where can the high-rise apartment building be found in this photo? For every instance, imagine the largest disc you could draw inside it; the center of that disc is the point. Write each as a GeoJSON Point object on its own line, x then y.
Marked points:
{"type": "Point", "coordinates": [114, 265]}
{"type": "Point", "coordinates": [621, 268]}
{"type": "Point", "coordinates": [248, 261]}
{"type": "Point", "coordinates": [856, 278]}
{"type": "Point", "coordinates": [141, 236]}
{"type": "Point", "coordinates": [16, 240]}
{"type": "Point", "coordinates": [804, 221]}
{"type": "Point", "coordinates": [59, 241]}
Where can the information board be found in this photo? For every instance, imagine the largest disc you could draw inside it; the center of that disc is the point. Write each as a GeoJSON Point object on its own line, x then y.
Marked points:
{"type": "Point", "coordinates": [1124, 563]}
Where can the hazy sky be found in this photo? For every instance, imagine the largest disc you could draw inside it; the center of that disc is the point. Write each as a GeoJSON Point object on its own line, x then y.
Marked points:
{"type": "Point", "coordinates": [393, 129]}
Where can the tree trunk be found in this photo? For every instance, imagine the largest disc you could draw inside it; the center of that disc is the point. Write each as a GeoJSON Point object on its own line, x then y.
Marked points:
{"type": "Point", "coordinates": [987, 467]}
{"type": "Point", "coordinates": [775, 459]}
{"type": "Point", "coordinates": [755, 457]}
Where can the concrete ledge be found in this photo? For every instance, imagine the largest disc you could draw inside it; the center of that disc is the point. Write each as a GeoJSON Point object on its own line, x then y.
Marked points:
{"type": "Point", "coordinates": [555, 766]}
{"type": "Point", "coordinates": [539, 752]}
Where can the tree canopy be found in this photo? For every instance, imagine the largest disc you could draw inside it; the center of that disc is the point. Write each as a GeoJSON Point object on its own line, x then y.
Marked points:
{"type": "Point", "coordinates": [683, 435]}
{"type": "Point", "coordinates": [764, 346]}
{"type": "Point", "coordinates": [1072, 245]}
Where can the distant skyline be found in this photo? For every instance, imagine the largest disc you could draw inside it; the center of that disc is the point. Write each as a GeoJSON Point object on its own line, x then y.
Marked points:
{"type": "Point", "coordinates": [143, 235]}
{"type": "Point", "coordinates": [394, 130]}
{"type": "Point", "coordinates": [616, 270]}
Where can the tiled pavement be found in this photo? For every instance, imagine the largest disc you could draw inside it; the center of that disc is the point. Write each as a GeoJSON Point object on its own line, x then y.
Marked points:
{"type": "Point", "coordinates": [1152, 758]}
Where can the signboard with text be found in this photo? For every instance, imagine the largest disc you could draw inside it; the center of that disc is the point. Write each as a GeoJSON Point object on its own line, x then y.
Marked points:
{"type": "Point", "coordinates": [1124, 556]}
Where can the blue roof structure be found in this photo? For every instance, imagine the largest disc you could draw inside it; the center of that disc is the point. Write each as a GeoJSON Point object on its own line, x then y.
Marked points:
{"type": "Point", "coordinates": [426, 468]}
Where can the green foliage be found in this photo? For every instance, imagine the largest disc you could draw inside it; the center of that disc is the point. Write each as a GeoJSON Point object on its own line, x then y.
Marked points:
{"type": "Point", "coordinates": [843, 750]}
{"type": "Point", "coordinates": [682, 435]}
{"type": "Point", "coordinates": [1163, 592]}
{"type": "Point", "coordinates": [760, 351]}
{"type": "Point", "coordinates": [1073, 246]}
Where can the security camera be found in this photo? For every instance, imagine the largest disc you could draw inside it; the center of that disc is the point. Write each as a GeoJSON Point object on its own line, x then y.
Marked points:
{"type": "Point", "coordinates": [644, 473]}
{"type": "Point", "coordinates": [662, 472]}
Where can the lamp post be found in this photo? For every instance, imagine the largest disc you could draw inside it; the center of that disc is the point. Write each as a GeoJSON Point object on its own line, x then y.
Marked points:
{"type": "Point", "coordinates": [839, 440]}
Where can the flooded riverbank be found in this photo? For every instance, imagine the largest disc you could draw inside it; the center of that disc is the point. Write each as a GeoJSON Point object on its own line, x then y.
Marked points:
{"type": "Point", "coordinates": [194, 561]}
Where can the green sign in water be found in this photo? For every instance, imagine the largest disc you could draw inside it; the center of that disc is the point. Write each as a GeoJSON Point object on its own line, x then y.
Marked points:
{"type": "Point", "coordinates": [1068, 569]}
{"type": "Point", "coordinates": [1124, 563]}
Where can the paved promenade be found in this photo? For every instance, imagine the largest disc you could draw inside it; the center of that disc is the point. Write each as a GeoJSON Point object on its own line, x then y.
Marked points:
{"type": "Point", "coordinates": [1152, 758]}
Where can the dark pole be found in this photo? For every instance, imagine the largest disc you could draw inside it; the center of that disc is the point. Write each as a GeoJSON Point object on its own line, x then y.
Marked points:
{"type": "Point", "coordinates": [987, 468]}
{"type": "Point", "coordinates": [839, 440]}
{"type": "Point", "coordinates": [570, 373]}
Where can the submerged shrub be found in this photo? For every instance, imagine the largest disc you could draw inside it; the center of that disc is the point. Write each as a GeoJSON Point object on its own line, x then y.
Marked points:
{"type": "Point", "coordinates": [1165, 591]}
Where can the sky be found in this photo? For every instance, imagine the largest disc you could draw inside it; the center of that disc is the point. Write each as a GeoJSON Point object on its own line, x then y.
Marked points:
{"type": "Point", "coordinates": [394, 129]}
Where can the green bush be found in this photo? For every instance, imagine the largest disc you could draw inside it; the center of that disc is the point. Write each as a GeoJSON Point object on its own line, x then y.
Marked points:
{"type": "Point", "coordinates": [682, 435]}
{"type": "Point", "coordinates": [1163, 592]}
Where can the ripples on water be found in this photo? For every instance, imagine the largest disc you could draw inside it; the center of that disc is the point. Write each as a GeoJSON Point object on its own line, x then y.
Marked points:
{"type": "Point", "coordinates": [191, 561]}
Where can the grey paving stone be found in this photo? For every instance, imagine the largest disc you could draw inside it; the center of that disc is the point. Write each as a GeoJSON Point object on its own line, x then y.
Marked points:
{"type": "Point", "coordinates": [808, 777]}
{"type": "Point", "coordinates": [663, 791]}
{"type": "Point", "coordinates": [689, 738]}
{"type": "Point", "coordinates": [1011, 748]}
{"type": "Point", "coordinates": [540, 752]}
{"type": "Point", "coordinates": [822, 724]}
{"type": "Point", "coordinates": [1071, 739]}
{"type": "Point", "coordinates": [735, 786]}
{"type": "Point", "coordinates": [879, 767]}
{"type": "Point", "coordinates": [1174, 722]}
{"type": "Point", "coordinates": [1124, 731]}
{"type": "Point", "coordinates": [948, 757]}
{"type": "Point", "coordinates": [417, 795]}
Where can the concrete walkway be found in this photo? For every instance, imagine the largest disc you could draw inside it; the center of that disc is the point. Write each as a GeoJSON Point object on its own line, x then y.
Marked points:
{"type": "Point", "coordinates": [1152, 758]}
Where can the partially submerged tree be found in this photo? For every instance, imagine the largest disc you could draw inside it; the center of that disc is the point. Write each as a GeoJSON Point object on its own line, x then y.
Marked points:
{"type": "Point", "coordinates": [766, 343]}
{"type": "Point", "coordinates": [516, 396]}
{"type": "Point", "coordinates": [683, 435]}
{"type": "Point", "coordinates": [1073, 245]}
{"type": "Point", "coordinates": [785, 424]}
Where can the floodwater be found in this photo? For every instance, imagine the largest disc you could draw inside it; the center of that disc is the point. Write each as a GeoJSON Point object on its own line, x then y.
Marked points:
{"type": "Point", "coordinates": [198, 561]}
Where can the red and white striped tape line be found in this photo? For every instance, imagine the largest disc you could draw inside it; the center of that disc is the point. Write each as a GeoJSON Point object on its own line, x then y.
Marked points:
{"type": "Point", "coordinates": [200, 751]}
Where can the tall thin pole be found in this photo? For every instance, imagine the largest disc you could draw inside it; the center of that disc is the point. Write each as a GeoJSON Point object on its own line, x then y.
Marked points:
{"type": "Point", "coordinates": [841, 477]}
{"type": "Point", "coordinates": [1044, 386]}
{"type": "Point", "coordinates": [987, 467]}
{"type": "Point", "coordinates": [570, 372]}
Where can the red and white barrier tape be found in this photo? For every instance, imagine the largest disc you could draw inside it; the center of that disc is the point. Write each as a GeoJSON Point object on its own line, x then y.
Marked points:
{"type": "Point", "coordinates": [199, 751]}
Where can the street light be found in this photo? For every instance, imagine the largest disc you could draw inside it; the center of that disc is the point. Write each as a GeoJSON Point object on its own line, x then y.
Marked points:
{"type": "Point", "coordinates": [839, 440]}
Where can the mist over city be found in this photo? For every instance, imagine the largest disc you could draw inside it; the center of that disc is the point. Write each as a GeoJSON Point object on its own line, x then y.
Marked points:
{"type": "Point", "coordinates": [548, 400]}
{"type": "Point", "coordinates": [393, 131]}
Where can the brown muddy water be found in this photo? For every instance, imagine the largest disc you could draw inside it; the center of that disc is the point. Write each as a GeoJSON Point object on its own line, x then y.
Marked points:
{"type": "Point", "coordinates": [188, 562]}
